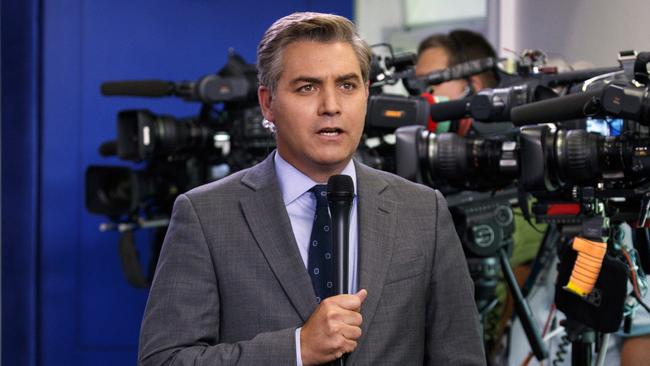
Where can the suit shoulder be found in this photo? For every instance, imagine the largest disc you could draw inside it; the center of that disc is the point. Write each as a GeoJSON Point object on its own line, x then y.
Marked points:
{"type": "Point", "coordinates": [225, 186]}
{"type": "Point", "coordinates": [402, 186]}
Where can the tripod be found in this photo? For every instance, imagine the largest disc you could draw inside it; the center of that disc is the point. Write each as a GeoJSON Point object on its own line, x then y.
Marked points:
{"type": "Point", "coordinates": [485, 225]}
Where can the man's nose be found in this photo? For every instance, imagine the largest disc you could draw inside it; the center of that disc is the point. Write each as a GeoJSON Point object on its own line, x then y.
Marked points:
{"type": "Point", "coordinates": [329, 103]}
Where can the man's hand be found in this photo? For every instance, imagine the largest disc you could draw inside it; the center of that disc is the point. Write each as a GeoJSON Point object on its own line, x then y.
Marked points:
{"type": "Point", "coordinates": [333, 329]}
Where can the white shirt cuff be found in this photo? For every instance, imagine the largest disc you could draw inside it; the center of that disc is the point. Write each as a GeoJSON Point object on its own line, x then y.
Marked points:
{"type": "Point", "coordinates": [298, 354]}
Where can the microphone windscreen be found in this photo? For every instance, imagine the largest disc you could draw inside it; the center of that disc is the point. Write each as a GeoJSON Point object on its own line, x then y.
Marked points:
{"type": "Point", "coordinates": [452, 110]}
{"type": "Point", "coordinates": [563, 108]}
{"type": "Point", "coordinates": [340, 187]}
{"type": "Point", "coordinates": [138, 88]}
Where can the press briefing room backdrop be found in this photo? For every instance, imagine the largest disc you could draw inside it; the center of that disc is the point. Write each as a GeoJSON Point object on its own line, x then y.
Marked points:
{"type": "Point", "coordinates": [65, 300]}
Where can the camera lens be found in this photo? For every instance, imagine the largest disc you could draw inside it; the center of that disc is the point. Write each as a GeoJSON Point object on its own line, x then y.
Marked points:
{"type": "Point", "coordinates": [577, 156]}
{"type": "Point", "coordinates": [111, 190]}
{"type": "Point", "coordinates": [584, 158]}
{"type": "Point", "coordinates": [449, 156]}
{"type": "Point", "coordinates": [143, 135]}
{"type": "Point", "coordinates": [470, 163]}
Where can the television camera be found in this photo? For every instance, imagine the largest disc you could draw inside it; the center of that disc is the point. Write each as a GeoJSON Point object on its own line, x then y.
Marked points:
{"type": "Point", "coordinates": [175, 154]}
{"type": "Point", "coordinates": [584, 184]}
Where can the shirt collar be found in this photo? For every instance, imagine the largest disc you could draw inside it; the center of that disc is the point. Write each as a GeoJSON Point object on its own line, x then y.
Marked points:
{"type": "Point", "coordinates": [293, 183]}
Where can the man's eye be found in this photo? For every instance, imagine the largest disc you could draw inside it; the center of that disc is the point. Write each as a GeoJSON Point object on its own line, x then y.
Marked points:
{"type": "Point", "coordinates": [348, 86]}
{"type": "Point", "coordinates": [306, 88]}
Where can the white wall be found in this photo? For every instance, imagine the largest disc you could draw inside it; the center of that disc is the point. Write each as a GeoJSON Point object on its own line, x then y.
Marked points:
{"type": "Point", "coordinates": [383, 21]}
{"type": "Point", "coordinates": [372, 17]}
{"type": "Point", "coordinates": [577, 30]}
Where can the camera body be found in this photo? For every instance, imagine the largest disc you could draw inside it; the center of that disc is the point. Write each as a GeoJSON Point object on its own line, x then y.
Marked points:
{"type": "Point", "coordinates": [177, 154]}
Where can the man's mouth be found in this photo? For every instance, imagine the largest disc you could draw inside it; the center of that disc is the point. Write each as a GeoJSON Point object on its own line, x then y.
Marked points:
{"type": "Point", "coordinates": [330, 131]}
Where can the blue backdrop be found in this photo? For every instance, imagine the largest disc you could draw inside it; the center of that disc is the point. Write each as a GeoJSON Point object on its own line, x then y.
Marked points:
{"type": "Point", "coordinates": [64, 298]}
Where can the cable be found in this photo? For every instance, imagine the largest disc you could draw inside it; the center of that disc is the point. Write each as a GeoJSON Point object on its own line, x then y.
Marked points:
{"type": "Point", "coordinates": [637, 293]}
{"type": "Point", "coordinates": [554, 333]}
{"type": "Point", "coordinates": [561, 351]}
{"type": "Point", "coordinates": [600, 361]}
{"type": "Point", "coordinates": [551, 313]}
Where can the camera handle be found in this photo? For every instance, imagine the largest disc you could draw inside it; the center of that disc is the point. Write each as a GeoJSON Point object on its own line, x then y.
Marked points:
{"type": "Point", "coordinates": [581, 336]}
{"type": "Point", "coordinates": [522, 308]}
{"type": "Point", "coordinates": [130, 260]}
{"type": "Point", "coordinates": [129, 257]}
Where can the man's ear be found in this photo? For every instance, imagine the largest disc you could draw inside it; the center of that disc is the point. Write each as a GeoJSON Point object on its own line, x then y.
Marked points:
{"type": "Point", "coordinates": [476, 82]}
{"type": "Point", "coordinates": [265, 98]}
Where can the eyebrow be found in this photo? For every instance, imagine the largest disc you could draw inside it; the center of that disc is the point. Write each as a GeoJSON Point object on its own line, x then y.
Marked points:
{"type": "Point", "coordinates": [315, 80]}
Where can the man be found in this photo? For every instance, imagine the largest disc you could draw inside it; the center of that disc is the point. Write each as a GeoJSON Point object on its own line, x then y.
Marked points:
{"type": "Point", "coordinates": [235, 282]}
{"type": "Point", "coordinates": [441, 51]}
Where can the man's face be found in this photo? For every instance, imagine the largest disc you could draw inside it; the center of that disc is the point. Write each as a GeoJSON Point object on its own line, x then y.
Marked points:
{"type": "Point", "coordinates": [434, 59]}
{"type": "Point", "coordinates": [318, 108]}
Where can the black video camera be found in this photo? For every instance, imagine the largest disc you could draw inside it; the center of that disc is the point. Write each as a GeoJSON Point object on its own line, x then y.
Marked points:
{"type": "Point", "coordinates": [179, 154]}
{"type": "Point", "coordinates": [173, 154]}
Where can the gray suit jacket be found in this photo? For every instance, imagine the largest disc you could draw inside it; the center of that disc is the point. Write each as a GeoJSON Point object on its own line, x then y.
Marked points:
{"type": "Point", "coordinates": [231, 288]}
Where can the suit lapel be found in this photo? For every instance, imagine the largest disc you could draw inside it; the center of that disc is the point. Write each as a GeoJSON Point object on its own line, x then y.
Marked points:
{"type": "Point", "coordinates": [267, 218]}
{"type": "Point", "coordinates": [377, 220]}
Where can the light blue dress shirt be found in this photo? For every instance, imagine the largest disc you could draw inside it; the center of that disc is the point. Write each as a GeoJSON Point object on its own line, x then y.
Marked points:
{"type": "Point", "coordinates": [301, 206]}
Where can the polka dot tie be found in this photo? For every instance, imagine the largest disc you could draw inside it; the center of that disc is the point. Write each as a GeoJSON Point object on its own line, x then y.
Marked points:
{"type": "Point", "coordinates": [320, 261]}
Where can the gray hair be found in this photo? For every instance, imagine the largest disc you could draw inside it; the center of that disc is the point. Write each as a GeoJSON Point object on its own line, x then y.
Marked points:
{"type": "Point", "coordinates": [311, 27]}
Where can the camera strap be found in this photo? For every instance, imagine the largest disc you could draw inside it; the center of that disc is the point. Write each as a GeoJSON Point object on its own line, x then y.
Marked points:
{"type": "Point", "coordinates": [131, 261]}
{"type": "Point", "coordinates": [522, 200]}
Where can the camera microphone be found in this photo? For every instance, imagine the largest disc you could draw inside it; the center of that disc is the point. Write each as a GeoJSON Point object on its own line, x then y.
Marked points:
{"type": "Point", "coordinates": [562, 108]}
{"type": "Point", "coordinates": [138, 88]}
{"type": "Point", "coordinates": [571, 77]}
{"type": "Point", "coordinates": [460, 71]}
{"type": "Point", "coordinates": [452, 110]}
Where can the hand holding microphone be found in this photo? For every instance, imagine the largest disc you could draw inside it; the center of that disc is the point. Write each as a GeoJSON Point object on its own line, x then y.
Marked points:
{"type": "Point", "coordinates": [333, 329]}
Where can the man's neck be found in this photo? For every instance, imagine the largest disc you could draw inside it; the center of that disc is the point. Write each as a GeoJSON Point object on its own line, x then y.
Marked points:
{"type": "Point", "coordinates": [319, 173]}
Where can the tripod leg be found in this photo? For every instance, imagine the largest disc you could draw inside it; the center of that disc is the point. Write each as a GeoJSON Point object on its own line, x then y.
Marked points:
{"type": "Point", "coordinates": [523, 309]}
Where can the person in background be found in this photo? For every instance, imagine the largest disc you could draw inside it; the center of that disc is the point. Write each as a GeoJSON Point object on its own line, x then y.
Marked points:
{"type": "Point", "coordinates": [440, 51]}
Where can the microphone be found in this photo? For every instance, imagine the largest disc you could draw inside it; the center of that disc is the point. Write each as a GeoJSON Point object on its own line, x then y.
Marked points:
{"type": "Point", "coordinates": [572, 106]}
{"type": "Point", "coordinates": [571, 77]}
{"type": "Point", "coordinates": [460, 71]}
{"type": "Point", "coordinates": [138, 88]}
{"type": "Point", "coordinates": [340, 192]}
{"type": "Point", "coordinates": [452, 110]}
{"type": "Point", "coordinates": [417, 84]}
{"type": "Point", "coordinates": [432, 125]}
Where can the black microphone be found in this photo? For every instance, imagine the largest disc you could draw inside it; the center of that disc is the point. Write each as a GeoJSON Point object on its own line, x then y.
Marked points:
{"type": "Point", "coordinates": [138, 88]}
{"type": "Point", "coordinates": [563, 108]}
{"type": "Point", "coordinates": [571, 77]}
{"type": "Point", "coordinates": [452, 110]}
{"type": "Point", "coordinates": [340, 192]}
{"type": "Point", "coordinates": [460, 71]}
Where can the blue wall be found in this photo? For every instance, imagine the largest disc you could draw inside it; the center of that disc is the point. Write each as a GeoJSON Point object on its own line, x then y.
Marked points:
{"type": "Point", "coordinates": [64, 298]}
{"type": "Point", "coordinates": [20, 151]}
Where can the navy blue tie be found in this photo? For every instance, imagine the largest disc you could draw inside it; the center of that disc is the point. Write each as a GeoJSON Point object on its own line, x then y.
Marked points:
{"type": "Point", "coordinates": [320, 261]}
